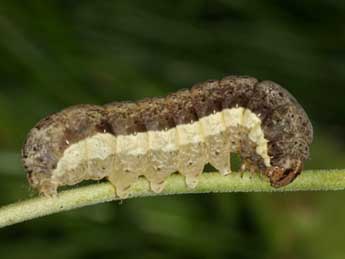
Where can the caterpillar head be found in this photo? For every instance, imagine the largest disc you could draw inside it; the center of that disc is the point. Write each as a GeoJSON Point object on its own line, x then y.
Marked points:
{"type": "Point", "coordinates": [287, 160]}
{"type": "Point", "coordinates": [282, 175]}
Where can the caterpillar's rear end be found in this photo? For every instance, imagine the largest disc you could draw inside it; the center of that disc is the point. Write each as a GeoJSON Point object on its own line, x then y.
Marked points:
{"type": "Point", "coordinates": [179, 133]}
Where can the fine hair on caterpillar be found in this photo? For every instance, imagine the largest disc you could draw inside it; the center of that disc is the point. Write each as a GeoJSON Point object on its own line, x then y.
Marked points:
{"type": "Point", "coordinates": [181, 132]}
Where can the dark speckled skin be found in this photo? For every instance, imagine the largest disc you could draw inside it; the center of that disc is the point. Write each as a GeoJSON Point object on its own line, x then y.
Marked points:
{"type": "Point", "coordinates": [155, 115]}
{"type": "Point", "coordinates": [285, 124]}
{"type": "Point", "coordinates": [181, 107]}
{"type": "Point", "coordinates": [238, 91]}
{"type": "Point", "coordinates": [207, 97]}
{"type": "Point", "coordinates": [124, 118]}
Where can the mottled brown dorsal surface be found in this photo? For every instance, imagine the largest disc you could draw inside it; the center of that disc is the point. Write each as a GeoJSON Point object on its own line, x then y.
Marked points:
{"type": "Point", "coordinates": [181, 132]}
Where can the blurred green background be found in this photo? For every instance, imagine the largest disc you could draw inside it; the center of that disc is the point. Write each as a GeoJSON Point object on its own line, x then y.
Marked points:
{"type": "Point", "coordinates": [58, 53]}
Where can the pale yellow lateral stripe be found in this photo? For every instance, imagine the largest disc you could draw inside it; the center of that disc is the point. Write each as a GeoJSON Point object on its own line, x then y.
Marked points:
{"type": "Point", "coordinates": [100, 145]}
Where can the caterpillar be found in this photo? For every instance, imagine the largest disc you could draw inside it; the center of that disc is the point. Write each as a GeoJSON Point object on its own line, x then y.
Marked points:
{"type": "Point", "coordinates": [155, 137]}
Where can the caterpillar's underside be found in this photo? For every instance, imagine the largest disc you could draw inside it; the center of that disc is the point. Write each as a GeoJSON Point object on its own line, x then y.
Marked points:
{"type": "Point", "coordinates": [181, 133]}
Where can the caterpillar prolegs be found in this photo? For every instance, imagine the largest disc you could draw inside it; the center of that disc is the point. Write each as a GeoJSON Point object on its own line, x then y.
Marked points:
{"type": "Point", "coordinates": [181, 132]}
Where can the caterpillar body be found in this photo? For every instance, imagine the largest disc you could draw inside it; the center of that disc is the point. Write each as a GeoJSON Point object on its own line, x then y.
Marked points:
{"type": "Point", "coordinates": [182, 132]}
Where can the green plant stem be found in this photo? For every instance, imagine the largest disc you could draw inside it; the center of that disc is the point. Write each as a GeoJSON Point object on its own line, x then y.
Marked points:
{"type": "Point", "coordinates": [322, 180]}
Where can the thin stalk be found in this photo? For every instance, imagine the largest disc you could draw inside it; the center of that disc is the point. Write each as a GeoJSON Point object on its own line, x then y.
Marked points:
{"type": "Point", "coordinates": [320, 180]}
